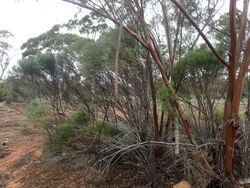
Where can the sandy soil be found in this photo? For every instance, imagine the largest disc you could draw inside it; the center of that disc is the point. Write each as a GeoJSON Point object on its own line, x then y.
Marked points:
{"type": "Point", "coordinates": [24, 165]}
{"type": "Point", "coordinates": [15, 146]}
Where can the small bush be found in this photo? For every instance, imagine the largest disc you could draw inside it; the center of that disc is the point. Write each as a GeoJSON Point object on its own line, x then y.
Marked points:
{"type": "Point", "coordinates": [166, 99]}
{"type": "Point", "coordinates": [25, 130]}
{"type": "Point", "coordinates": [80, 117]}
{"type": "Point", "coordinates": [39, 112]}
{"type": "Point", "coordinates": [63, 138]}
{"type": "Point", "coordinates": [3, 92]}
{"type": "Point", "coordinates": [106, 129]}
{"type": "Point", "coordinates": [64, 133]}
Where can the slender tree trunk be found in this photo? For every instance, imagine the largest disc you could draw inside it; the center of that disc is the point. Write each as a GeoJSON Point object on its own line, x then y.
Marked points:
{"type": "Point", "coordinates": [171, 57]}
{"type": "Point", "coordinates": [248, 102]}
{"type": "Point", "coordinates": [177, 139]}
{"type": "Point", "coordinates": [148, 42]}
{"type": "Point", "coordinates": [231, 111]}
{"type": "Point", "coordinates": [235, 84]}
{"type": "Point", "coordinates": [117, 60]}
{"type": "Point", "coordinates": [153, 94]}
{"type": "Point", "coordinates": [161, 122]}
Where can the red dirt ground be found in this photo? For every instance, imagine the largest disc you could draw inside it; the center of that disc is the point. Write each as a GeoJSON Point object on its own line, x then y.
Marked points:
{"type": "Point", "coordinates": [23, 165]}
{"type": "Point", "coordinates": [15, 145]}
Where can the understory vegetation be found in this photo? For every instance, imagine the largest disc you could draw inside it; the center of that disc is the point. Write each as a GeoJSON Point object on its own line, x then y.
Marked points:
{"type": "Point", "coordinates": [110, 146]}
{"type": "Point", "coordinates": [144, 95]}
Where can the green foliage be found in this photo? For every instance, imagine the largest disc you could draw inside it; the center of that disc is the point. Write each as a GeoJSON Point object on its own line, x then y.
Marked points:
{"type": "Point", "coordinates": [197, 73]}
{"type": "Point", "coordinates": [63, 133]}
{"type": "Point", "coordinates": [93, 62]}
{"type": "Point", "coordinates": [129, 48]}
{"type": "Point", "coordinates": [40, 113]}
{"type": "Point", "coordinates": [48, 42]}
{"type": "Point", "coordinates": [25, 130]}
{"type": "Point", "coordinates": [218, 116]}
{"type": "Point", "coordinates": [166, 98]}
{"type": "Point", "coordinates": [221, 30]}
{"type": "Point", "coordinates": [47, 63]}
{"type": "Point", "coordinates": [89, 24]}
{"type": "Point", "coordinates": [3, 92]}
{"type": "Point", "coordinates": [106, 129]}
{"type": "Point", "coordinates": [63, 137]}
{"type": "Point", "coordinates": [37, 65]}
{"type": "Point", "coordinates": [195, 66]}
{"type": "Point", "coordinates": [80, 117]}
{"type": "Point", "coordinates": [29, 66]}
{"type": "Point", "coordinates": [16, 91]}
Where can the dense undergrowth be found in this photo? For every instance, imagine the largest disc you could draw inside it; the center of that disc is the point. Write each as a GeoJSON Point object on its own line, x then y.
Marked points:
{"type": "Point", "coordinates": [113, 147]}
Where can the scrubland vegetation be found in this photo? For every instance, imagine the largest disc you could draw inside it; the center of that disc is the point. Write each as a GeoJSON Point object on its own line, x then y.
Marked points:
{"type": "Point", "coordinates": [160, 97]}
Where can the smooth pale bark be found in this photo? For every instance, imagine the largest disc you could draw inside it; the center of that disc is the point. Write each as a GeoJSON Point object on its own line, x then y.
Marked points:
{"type": "Point", "coordinates": [171, 60]}
{"type": "Point", "coordinates": [177, 139]}
{"type": "Point", "coordinates": [167, 33]}
{"type": "Point", "coordinates": [118, 48]}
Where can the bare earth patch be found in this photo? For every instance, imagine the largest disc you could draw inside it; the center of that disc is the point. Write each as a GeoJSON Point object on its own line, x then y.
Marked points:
{"type": "Point", "coordinates": [23, 165]}
{"type": "Point", "coordinates": [14, 145]}
{"type": "Point", "coordinates": [21, 158]}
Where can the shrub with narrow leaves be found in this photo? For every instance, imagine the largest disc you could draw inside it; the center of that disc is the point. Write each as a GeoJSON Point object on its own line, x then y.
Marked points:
{"type": "Point", "coordinates": [64, 133]}
{"type": "Point", "coordinates": [80, 117]}
{"type": "Point", "coordinates": [39, 112]}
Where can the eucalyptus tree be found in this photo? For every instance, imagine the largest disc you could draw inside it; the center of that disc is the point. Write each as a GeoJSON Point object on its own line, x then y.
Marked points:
{"type": "Point", "coordinates": [199, 75]}
{"type": "Point", "coordinates": [136, 12]}
{"type": "Point", "coordinates": [220, 29]}
{"type": "Point", "coordinates": [49, 67]}
{"type": "Point", "coordinates": [51, 41]}
{"type": "Point", "coordinates": [134, 77]}
{"type": "Point", "coordinates": [136, 23]}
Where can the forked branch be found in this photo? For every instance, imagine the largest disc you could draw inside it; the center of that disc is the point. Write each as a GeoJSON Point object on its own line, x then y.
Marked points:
{"type": "Point", "coordinates": [187, 15]}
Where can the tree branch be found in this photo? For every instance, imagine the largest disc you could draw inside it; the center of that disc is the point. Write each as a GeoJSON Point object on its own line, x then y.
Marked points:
{"type": "Point", "coordinates": [243, 24]}
{"type": "Point", "coordinates": [187, 15]}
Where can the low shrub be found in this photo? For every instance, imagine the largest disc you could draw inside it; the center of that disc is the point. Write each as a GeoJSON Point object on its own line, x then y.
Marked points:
{"type": "Point", "coordinates": [64, 133]}
{"type": "Point", "coordinates": [25, 130]}
{"type": "Point", "coordinates": [62, 139]}
{"type": "Point", "coordinates": [39, 112]}
{"type": "Point", "coordinates": [3, 92]}
{"type": "Point", "coordinates": [80, 117]}
{"type": "Point", "coordinates": [106, 129]}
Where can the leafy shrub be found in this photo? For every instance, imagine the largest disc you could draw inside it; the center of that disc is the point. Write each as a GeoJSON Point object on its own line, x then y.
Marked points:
{"type": "Point", "coordinates": [106, 129]}
{"type": "Point", "coordinates": [64, 133]}
{"type": "Point", "coordinates": [166, 99]}
{"type": "Point", "coordinates": [25, 129]}
{"type": "Point", "coordinates": [3, 92]}
{"type": "Point", "coordinates": [80, 117]}
{"type": "Point", "coordinates": [62, 140]}
{"type": "Point", "coordinates": [39, 112]}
